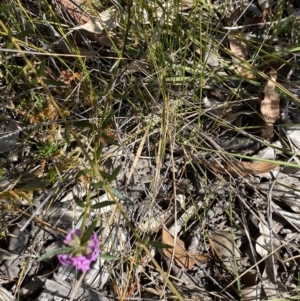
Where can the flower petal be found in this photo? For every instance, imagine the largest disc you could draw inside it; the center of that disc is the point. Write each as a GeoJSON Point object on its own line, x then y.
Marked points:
{"type": "Point", "coordinates": [81, 263]}
{"type": "Point", "coordinates": [93, 247]}
{"type": "Point", "coordinates": [64, 259]}
{"type": "Point", "coordinates": [71, 234]}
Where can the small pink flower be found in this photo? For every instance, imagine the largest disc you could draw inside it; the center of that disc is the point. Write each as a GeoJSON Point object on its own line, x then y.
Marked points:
{"type": "Point", "coordinates": [73, 237]}
{"type": "Point", "coordinates": [83, 254]}
{"type": "Point", "coordinates": [81, 263]}
{"type": "Point", "coordinates": [93, 246]}
{"type": "Point", "coordinates": [64, 259]}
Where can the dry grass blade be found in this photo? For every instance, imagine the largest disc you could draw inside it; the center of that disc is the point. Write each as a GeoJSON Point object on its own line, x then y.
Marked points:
{"type": "Point", "coordinates": [179, 93]}
{"type": "Point", "coordinates": [137, 156]}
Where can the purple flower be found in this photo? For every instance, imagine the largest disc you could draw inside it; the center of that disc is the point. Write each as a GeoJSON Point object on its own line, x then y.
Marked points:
{"type": "Point", "coordinates": [72, 235]}
{"type": "Point", "coordinates": [83, 254]}
{"type": "Point", "coordinates": [93, 247]}
{"type": "Point", "coordinates": [64, 259]}
{"type": "Point", "coordinates": [81, 263]}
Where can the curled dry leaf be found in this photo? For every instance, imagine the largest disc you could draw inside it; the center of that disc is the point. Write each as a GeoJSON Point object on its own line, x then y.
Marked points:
{"type": "Point", "coordinates": [240, 54]}
{"type": "Point", "coordinates": [106, 21]}
{"type": "Point", "coordinates": [291, 217]}
{"type": "Point", "coordinates": [263, 242]}
{"type": "Point", "coordinates": [251, 293]}
{"type": "Point", "coordinates": [263, 247]}
{"type": "Point", "coordinates": [289, 195]}
{"type": "Point", "coordinates": [238, 168]}
{"type": "Point", "coordinates": [269, 152]}
{"type": "Point", "coordinates": [181, 256]}
{"type": "Point", "coordinates": [260, 167]}
{"type": "Point", "coordinates": [251, 286]}
{"type": "Point", "coordinates": [271, 289]}
{"type": "Point", "coordinates": [293, 134]}
{"type": "Point", "coordinates": [270, 105]}
{"type": "Point", "coordinates": [223, 245]}
{"type": "Point", "coordinates": [151, 224]}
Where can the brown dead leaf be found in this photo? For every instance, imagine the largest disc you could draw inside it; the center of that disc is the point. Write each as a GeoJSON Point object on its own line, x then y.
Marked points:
{"type": "Point", "coordinates": [240, 54]}
{"type": "Point", "coordinates": [260, 167]}
{"type": "Point", "coordinates": [235, 16]}
{"type": "Point", "coordinates": [267, 131]}
{"type": "Point", "coordinates": [270, 105]}
{"type": "Point", "coordinates": [238, 168]}
{"type": "Point", "coordinates": [222, 243]}
{"type": "Point", "coordinates": [181, 256]}
{"type": "Point", "coordinates": [238, 47]}
{"type": "Point", "coordinates": [74, 8]}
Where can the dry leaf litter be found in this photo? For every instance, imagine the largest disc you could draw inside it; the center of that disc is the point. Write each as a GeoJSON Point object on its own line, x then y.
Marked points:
{"type": "Point", "coordinates": [223, 205]}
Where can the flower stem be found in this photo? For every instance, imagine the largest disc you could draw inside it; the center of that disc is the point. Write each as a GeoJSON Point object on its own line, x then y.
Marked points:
{"type": "Point", "coordinates": [85, 212]}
